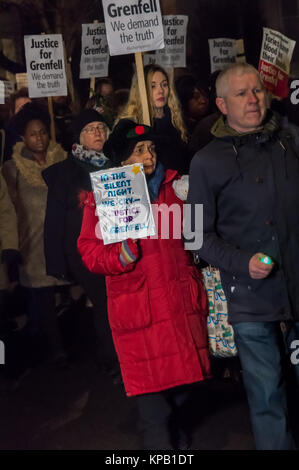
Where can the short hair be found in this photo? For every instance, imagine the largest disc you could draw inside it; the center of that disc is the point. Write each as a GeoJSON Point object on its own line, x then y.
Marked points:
{"type": "Point", "coordinates": [234, 69]}
{"type": "Point", "coordinates": [31, 112]}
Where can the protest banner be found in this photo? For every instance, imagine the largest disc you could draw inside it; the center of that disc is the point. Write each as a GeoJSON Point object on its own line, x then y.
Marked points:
{"type": "Point", "coordinates": [294, 95]}
{"type": "Point", "coordinates": [2, 92]}
{"type": "Point", "coordinates": [6, 89]}
{"type": "Point", "coordinates": [275, 60]}
{"type": "Point", "coordinates": [45, 65]}
{"type": "Point", "coordinates": [149, 59]}
{"type": "Point", "coordinates": [94, 53]}
{"type": "Point", "coordinates": [175, 33]}
{"type": "Point", "coordinates": [224, 52]}
{"type": "Point", "coordinates": [22, 80]}
{"type": "Point", "coordinates": [133, 26]}
{"type": "Point", "coordinates": [122, 204]}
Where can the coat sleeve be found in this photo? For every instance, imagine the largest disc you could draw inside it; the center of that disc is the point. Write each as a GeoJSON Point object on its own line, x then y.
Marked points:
{"type": "Point", "coordinates": [214, 250]}
{"type": "Point", "coordinates": [97, 257]}
{"type": "Point", "coordinates": [8, 220]}
{"type": "Point", "coordinates": [54, 227]}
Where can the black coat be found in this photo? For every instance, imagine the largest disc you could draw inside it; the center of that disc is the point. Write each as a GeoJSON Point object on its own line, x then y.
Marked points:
{"type": "Point", "coordinates": [172, 151]}
{"type": "Point", "coordinates": [65, 181]}
{"type": "Point", "coordinates": [249, 188]}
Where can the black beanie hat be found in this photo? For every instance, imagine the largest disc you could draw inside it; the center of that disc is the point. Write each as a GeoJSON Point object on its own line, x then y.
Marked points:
{"type": "Point", "coordinates": [81, 120]}
{"type": "Point", "coordinates": [123, 139]}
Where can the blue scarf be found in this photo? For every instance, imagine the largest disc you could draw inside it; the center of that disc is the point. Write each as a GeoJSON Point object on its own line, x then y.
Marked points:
{"type": "Point", "coordinates": [154, 181]}
{"type": "Point", "coordinates": [92, 157]}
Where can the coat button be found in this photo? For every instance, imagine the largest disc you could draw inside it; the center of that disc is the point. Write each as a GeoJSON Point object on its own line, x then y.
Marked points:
{"type": "Point", "coordinates": [259, 180]}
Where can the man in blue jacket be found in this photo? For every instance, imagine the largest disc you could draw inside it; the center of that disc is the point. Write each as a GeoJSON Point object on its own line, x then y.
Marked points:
{"type": "Point", "coordinates": [247, 179]}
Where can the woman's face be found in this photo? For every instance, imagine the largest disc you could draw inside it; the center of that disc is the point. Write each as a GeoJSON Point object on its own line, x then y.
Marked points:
{"type": "Point", "coordinates": [198, 105]}
{"type": "Point", "coordinates": [36, 137]}
{"type": "Point", "coordinates": [93, 136]}
{"type": "Point", "coordinates": [160, 90]}
{"type": "Point", "coordinates": [144, 152]}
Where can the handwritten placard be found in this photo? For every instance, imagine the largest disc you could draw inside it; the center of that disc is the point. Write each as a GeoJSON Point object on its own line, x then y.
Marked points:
{"type": "Point", "coordinates": [122, 203]}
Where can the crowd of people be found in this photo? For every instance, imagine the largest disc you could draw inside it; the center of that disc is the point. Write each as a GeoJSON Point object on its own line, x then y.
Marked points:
{"type": "Point", "coordinates": [149, 302]}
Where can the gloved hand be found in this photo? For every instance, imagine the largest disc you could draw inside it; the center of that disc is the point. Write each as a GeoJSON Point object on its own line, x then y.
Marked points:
{"type": "Point", "coordinates": [12, 259]}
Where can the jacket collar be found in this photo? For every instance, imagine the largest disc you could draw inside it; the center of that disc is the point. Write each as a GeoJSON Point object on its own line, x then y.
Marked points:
{"type": "Point", "coordinates": [271, 125]}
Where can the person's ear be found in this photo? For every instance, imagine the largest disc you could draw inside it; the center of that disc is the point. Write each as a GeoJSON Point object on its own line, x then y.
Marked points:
{"type": "Point", "coordinates": [220, 102]}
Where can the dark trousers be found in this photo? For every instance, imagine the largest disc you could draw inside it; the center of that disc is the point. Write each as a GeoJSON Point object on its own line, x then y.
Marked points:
{"type": "Point", "coordinates": [95, 288]}
{"type": "Point", "coordinates": [161, 420]}
{"type": "Point", "coordinates": [42, 318]}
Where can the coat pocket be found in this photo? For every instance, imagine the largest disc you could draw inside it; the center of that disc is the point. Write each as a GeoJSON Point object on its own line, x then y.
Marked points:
{"type": "Point", "coordinates": [128, 305]}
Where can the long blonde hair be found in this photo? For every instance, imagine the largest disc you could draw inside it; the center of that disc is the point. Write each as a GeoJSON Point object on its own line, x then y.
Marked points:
{"type": "Point", "coordinates": [133, 109]}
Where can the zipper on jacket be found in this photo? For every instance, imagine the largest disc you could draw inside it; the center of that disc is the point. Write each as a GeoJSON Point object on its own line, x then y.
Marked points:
{"type": "Point", "coordinates": [285, 159]}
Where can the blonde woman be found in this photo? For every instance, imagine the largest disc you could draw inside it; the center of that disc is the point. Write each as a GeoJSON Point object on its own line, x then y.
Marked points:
{"type": "Point", "coordinates": [165, 114]}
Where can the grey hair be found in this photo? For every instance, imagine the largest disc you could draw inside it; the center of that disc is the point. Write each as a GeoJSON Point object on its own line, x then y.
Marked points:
{"type": "Point", "coordinates": [234, 69]}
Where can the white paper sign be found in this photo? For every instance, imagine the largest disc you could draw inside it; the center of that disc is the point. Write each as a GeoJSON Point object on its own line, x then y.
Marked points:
{"type": "Point", "coordinates": [45, 65]}
{"type": "Point", "coordinates": [22, 80]}
{"type": "Point", "coordinates": [149, 59]}
{"type": "Point", "coordinates": [122, 203]}
{"type": "Point", "coordinates": [175, 33]}
{"type": "Point", "coordinates": [224, 52]}
{"type": "Point", "coordinates": [94, 53]}
{"type": "Point", "coordinates": [6, 89]}
{"type": "Point", "coordinates": [133, 26]}
{"type": "Point", "coordinates": [2, 92]}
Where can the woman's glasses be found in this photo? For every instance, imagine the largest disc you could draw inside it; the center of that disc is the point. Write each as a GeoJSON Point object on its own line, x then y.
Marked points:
{"type": "Point", "coordinates": [93, 129]}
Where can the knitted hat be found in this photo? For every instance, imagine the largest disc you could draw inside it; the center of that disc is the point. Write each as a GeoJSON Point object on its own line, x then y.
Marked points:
{"type": "Point", "coordinates": [81, 120]}
{"type": "Point", "coordinates": [122, 140]}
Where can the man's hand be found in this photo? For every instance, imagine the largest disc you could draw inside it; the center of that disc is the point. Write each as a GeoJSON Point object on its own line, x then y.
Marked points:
{"type": "Point", "coordinates": [257, 269]}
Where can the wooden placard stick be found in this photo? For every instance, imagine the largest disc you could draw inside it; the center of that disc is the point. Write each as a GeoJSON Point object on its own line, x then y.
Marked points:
{"type": "Point", "coordinates": [92, 79]}
{"type": "Point", "coordinates": [50, 109]}
{"type": "Point", "coordinates": [52, 124]}
{"type": "Point", "coordinates": [142, 89]}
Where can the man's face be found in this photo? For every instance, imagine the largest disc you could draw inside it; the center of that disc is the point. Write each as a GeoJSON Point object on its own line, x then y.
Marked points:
{"type": "Point", "coordinates": [245, 102]}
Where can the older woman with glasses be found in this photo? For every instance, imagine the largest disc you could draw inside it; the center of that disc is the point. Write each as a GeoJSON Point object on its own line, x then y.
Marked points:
{"type": "Point", "coordinates": [63, 222]}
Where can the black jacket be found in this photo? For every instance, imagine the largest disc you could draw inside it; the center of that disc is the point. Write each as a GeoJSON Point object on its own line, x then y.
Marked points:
{"type": "Point", "coordinates": [249, 188]}
{"type": "Point", "coordinates": [65, 181]}
{"type": "Point", "coordinates": [172, 151]}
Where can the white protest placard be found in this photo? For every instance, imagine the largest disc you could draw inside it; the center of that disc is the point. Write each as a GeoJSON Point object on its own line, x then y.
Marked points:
{"type": "Point", "coordinates": [2, 92]}
{"type": "Point", "coordinates": [45, 65]}
{"type": "Point", "coordinates": [275, 60]}
{"type": "Point", "coordinates": [224, 52]}
{"type": "Point", "coordinates": [6, 89]}
{"type": "Point", "coordinates": [122, 203]}
{"type": "Point", "coordinates": [133, 26]}
{"type": "Point", "coordinates": [94, 54]}
{"type": "Point", "coordinates": [149, 59]}
{"type": "Point", "coordinates": [22, 80]}
{"type": "Point", "coordinates": [175, 34]}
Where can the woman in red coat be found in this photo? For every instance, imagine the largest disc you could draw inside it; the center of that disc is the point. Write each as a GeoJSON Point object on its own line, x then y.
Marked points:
{"type": "Point", "coordinates": [157, 304]}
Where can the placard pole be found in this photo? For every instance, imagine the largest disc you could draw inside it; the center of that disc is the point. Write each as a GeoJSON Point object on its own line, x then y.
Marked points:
{"type": "Point", "coordinates": [92, 79]}
{"type": "Point", "coordinates": [142, 89]}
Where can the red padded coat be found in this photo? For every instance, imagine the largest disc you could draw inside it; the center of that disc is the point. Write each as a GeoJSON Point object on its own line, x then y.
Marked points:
{"type": "Point", "coordinates": [157, 305]}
